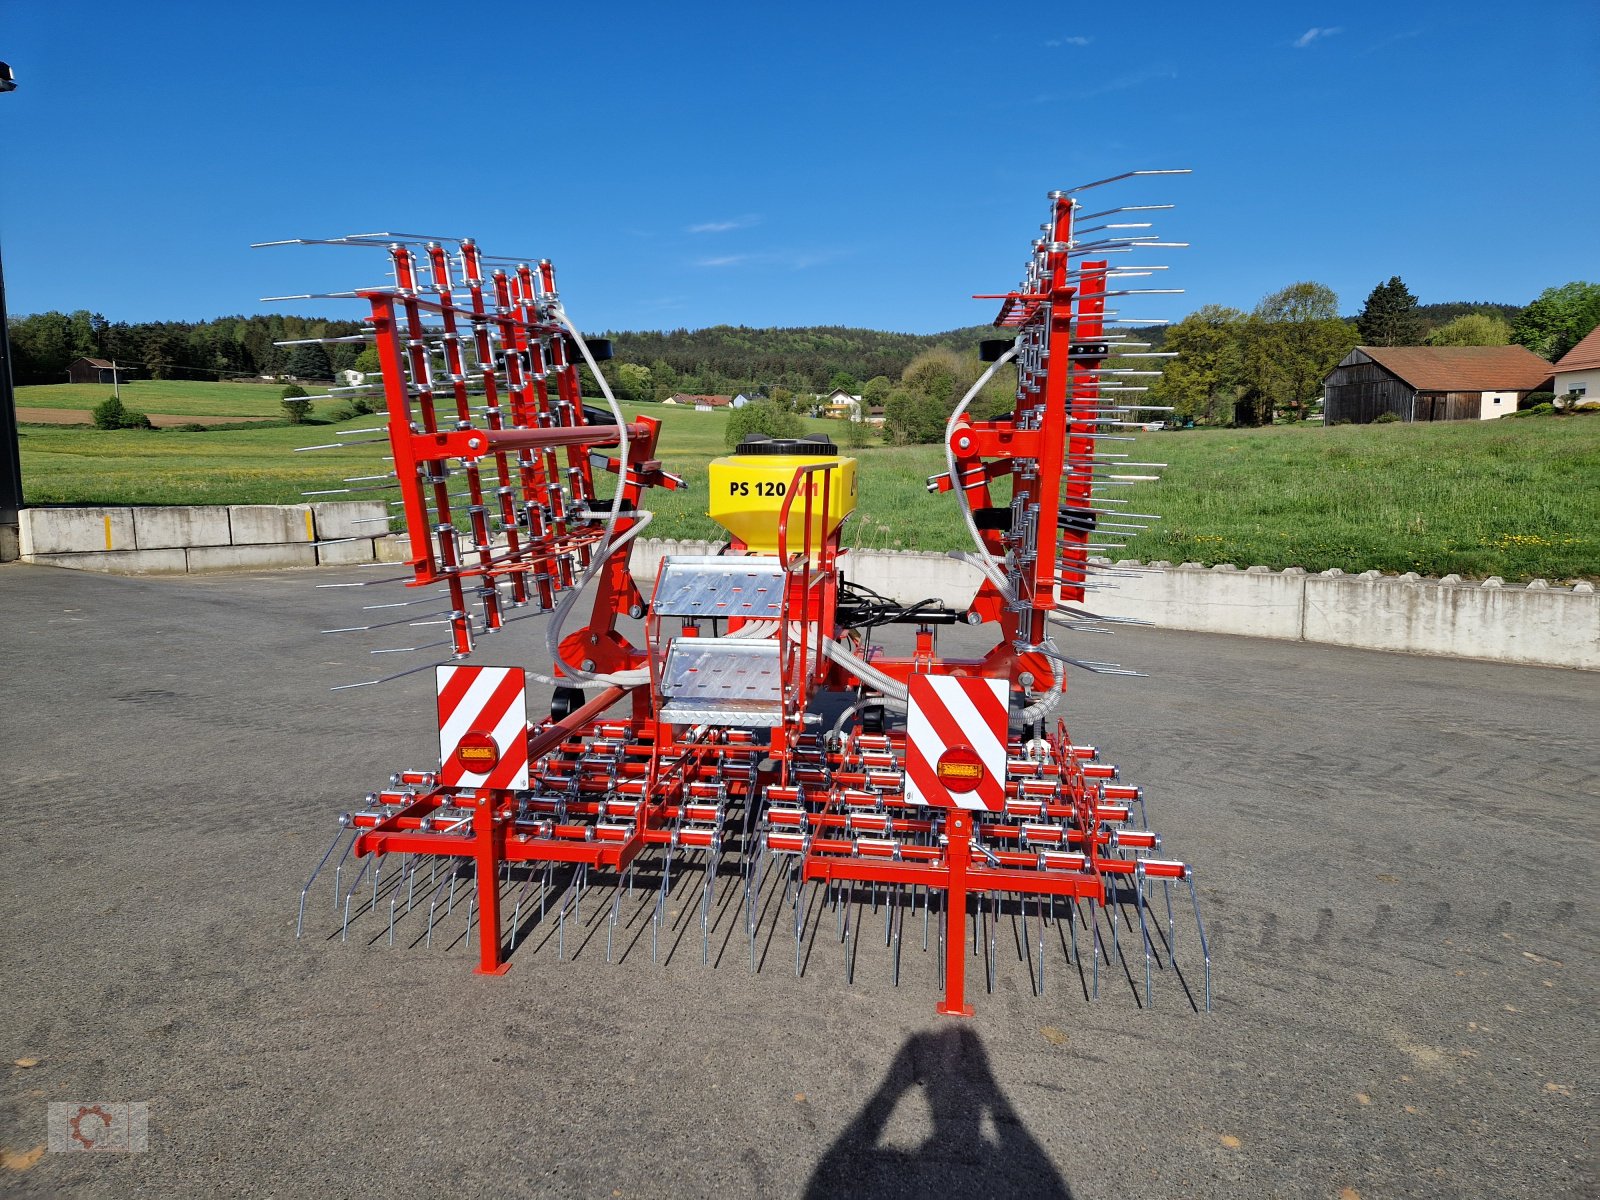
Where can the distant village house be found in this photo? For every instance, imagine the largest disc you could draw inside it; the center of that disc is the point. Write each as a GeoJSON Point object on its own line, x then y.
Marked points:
{"type": "Point", "coordinates": [701, 403]}
{"type": "Point", "coordinates": [1431, 383]}
{"type": "Point", "coordinates": [1577, 372]}
{"type": "Point", "coordinates": [840, 405]}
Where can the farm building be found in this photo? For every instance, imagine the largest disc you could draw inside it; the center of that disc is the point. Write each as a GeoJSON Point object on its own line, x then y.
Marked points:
{"type": "Point", "coordinates": [1578, 370]}
{"type": "Point", "coordinates": [699, 403]}
{"type": "Point", "coordinates": [1431, 383]}
{"type": "Point", "coordinates": [96, 370]}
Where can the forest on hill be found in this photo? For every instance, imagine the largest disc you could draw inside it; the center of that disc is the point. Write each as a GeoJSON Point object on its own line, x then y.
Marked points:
{"type": "Point", "coordinates": [1235, 367]}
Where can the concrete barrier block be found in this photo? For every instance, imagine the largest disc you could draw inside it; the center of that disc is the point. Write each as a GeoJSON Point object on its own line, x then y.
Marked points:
{"type": "Point", "coordinates": [270, 524]}
{"type": "Point", "coordinates": [10, 543]}
{"type": "Point", "coordinates": [391, 549]}
{"type": "Point", "coordinates": [907, 577]}
{"type": "Point", "coordinates": [338, 554]}
{"type": "Point", "coordinates": [647, 554]}
{"type": "Point", "coordinates": [345, 518]}
{"type": "Point", "coordinates": [1553, 627]}
{"type": "Point", "coordinates": [1251, 604]}
{"type": "Point", "coordinates": [74, 530]}
{"type": "Point", "coordinates": [118, 562]}
{"type": "Point", "coordinates": [250, 558]}
{"type": "Point", "coordinates": [180, 526]}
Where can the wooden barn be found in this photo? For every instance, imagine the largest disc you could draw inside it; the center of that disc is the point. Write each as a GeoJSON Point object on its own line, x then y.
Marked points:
{"type": "Point", "coordinates": [1431, 383]}
{"type": "Point", "coordinates": [95, 370]}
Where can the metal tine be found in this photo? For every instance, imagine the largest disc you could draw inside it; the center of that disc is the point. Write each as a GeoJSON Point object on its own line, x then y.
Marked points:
{"type": "Point", "coordinates": [339, 868]}
{"type": "Point", "coordinates": [379, 487]}
{"type": "Point", "coordinates": [616, 908]}
{"type": "Point", "coordinates": [412, 649]}
{"type": "Point", "coordinates": [1200, 926]}
{"type": "Point", "coordinates": [1094, 918]}
{"type": "Point", "coordinates": [333, 341]}
{"type": "Point", "coordinates": [351, 295]}
{"type": "Point", "coordinates": [898, 919]}
{"type": "Point", "coordinates": [447, 881]}
{"type": "Point", "coordinates": [406, 620]}
{"type": "Point", "coordinates": [344, 931]}
{"type": "Point", "coordinates": [340, 445]}
{"type": "Point", "coordinates": [333, 845]}
{"type": "Point", "coordinates": [1144, 931]}
{"type": "Point", "coordinates": [1126, 208]}
{"type": "Point", "coordinates": [344, 687]}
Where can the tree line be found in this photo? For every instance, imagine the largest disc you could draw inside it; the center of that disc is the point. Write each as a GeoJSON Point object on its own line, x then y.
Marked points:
{"type": "Point", "coordinates": [1241, 368]}
{"type": "Point", "coordinates": [239, 347]}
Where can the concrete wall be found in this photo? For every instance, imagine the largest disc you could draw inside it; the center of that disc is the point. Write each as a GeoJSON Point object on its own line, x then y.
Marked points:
{"type": "Point", "coordinates": [1537, 624]}
{"type": "Point", "coordinates": [183, 538]}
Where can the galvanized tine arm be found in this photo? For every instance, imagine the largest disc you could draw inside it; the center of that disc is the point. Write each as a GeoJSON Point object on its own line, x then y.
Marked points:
{"type": "Point", "coordinates": [299, 924]}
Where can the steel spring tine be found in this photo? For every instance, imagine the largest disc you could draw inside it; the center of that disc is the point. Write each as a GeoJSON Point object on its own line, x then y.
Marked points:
{"type": "Point", "coordinates": [339, 867]}
{"type": "Point", "coordinates": [1144, 931]}
{"type": "Point", "coordinates": [434, 903]}
{"type": "Point", "coordinates": [1094, 918]}
{"type": "Point", "coordinates": [344, 931]}
{"type": "Point", "coordinates": [898, 919]}
{"type": "Point", "coordinates": [1205, 949]}
{"type": "Point", "coordinates": [301, 920]}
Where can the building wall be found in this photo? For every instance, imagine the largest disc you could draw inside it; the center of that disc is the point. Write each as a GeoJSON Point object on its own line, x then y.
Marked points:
{"type": "Point", "coordinates": [1588, 380]}
{"type": "Point", "coordinates": [1497, 404]}
{"type": "Point", "coordinates": [1363, 391]}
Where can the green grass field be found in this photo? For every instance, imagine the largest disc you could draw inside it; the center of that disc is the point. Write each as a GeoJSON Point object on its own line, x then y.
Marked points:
{"type": "Point", "coordinates": [175, 397]}
{"type": "Point", "coordinates": [1509, 498]}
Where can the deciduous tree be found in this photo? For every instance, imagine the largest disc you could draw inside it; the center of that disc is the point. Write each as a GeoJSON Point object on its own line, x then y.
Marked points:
{"type": "Point", "coordinates": [1294, 338]}
{"type": "Point", "coordinates": [1559, 319]}
{"type": "Point", "coordinates": [1203, 382]}
{"type": "Point", "coordinates": [1472, 329]}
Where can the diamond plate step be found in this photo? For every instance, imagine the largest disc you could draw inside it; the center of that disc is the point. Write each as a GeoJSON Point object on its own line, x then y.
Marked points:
{"type": "Point", "coordinates": [722, 681]}
{"type": "Point", "coordinates": [720, 586]}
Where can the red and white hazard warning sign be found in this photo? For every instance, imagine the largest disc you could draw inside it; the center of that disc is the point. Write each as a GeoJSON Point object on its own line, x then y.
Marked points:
{"type": "Point", "coordinates": [483, 727]}
{"type": "Point", "coordinates": [956, 742]}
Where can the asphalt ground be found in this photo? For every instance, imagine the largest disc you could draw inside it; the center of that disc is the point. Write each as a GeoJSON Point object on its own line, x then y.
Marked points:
{"type": "Point", "coordinates": [1396, 863]}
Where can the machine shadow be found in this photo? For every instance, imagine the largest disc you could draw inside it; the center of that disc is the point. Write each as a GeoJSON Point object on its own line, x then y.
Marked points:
{"type": "Point", "coordinates": [963, 1153]}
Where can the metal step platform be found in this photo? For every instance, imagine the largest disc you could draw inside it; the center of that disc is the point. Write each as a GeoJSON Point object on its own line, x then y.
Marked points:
{"type": "Point", "coordinates": [734, 682]}
{"type": "Point", "coordinates": [719, 586]}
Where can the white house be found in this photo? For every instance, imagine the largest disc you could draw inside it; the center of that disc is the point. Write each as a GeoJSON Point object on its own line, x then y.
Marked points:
{"type": "Point", "coordinates": [841, 405]}
{"type": "Point", "coordinates": [352, 378]}
{"type": "Point", "coordinates": [1578, 370]}
{"type": "Point", "coordinates": [743, 398]}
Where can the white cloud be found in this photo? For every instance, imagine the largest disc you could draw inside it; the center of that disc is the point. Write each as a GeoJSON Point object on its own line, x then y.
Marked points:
{"type": "Point", "coordinates": [1315, 32]}
{"type": "Point", "coordinates": [1069, 41]}
{"type": "Point", "coordinates": [724, 226]}
{"type": "Point", "coordinates": [726, 260]}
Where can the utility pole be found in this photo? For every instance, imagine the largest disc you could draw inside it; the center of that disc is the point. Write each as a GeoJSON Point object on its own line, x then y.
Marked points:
{"type": "Point", "coordinates": [10, 450]}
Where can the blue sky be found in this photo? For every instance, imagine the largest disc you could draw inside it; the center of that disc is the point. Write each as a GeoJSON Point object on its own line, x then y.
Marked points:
{"type": "Point", "coordinates": [862, 164]}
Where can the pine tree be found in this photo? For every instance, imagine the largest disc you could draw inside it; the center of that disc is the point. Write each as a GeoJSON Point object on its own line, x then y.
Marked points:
{"type": "Point", "coordinates": [1390, 317]}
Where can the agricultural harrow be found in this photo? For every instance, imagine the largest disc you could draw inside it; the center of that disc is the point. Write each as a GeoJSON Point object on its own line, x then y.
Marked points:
{"type": "Point", "coordinates": [735, 752]}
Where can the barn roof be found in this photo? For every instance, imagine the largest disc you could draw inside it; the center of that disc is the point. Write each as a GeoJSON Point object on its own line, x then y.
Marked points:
{"type": "Point", "coordinates": [1584, 356]}
{"type": "Point", "coordinates": [1462, 368]}
{"type": "Point", "coordinates": [95, 362]}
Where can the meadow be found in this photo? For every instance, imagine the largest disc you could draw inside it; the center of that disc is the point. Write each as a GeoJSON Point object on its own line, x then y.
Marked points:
{"type": "Point", "coordinates": [178, 398]}
{"type": "Point", "coordinates": [1514, 498]}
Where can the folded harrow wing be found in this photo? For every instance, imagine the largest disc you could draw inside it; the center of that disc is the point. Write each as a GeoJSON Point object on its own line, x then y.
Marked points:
{"type": "Point", "coordinates": [736, 751]}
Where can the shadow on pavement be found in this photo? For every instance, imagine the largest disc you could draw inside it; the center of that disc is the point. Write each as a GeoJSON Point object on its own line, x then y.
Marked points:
{"type": "Point", "coordinates": [977, 1145]}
